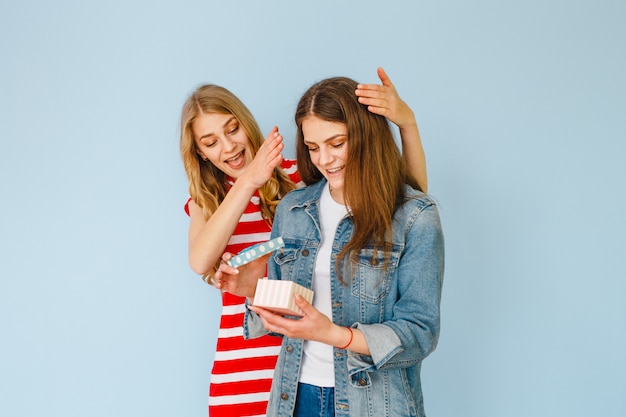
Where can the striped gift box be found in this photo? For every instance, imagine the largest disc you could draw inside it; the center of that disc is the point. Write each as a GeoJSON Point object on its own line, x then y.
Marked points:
{"type": "Point", "coordinates": [278, 296]}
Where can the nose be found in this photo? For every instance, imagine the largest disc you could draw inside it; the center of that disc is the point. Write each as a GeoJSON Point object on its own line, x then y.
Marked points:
{"type": "Point", "coordinates": [325, 156]}
{"type": "Point", "coordinates": [228, 144]}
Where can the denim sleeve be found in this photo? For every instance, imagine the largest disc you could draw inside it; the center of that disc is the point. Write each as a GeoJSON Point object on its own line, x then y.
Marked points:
{"type": "Point", "coordinates": [252, 325]}
{"type": "Point", "coordinates": [412, 330]}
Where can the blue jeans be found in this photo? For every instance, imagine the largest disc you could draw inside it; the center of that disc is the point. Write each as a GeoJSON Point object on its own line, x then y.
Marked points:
{"type": "Point", "coordinates": [312, 401]}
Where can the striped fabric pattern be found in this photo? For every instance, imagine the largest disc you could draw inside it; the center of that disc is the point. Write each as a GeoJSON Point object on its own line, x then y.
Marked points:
{"type": "Point", "coordinates": [242, 372]}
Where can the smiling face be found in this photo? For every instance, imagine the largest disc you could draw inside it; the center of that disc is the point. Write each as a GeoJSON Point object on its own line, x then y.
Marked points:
{"type": "Point", "coordinates": [221, 139]}
{"type": "Point", "coordinates": [327, 143]}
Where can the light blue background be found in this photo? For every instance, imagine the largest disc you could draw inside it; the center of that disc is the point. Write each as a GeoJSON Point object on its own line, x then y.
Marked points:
{"type": "Point", "coordinates": [522, 110]}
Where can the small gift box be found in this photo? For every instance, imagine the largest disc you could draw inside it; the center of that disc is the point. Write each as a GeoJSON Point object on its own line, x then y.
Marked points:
{"type": "Point", "coordinates": [256, 251]}
{"type": "Point", "coordinates": [278, 296]}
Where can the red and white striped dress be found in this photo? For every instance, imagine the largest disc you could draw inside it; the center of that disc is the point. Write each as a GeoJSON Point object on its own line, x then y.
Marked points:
{"type": "Point", "coordinates": [242, 372]}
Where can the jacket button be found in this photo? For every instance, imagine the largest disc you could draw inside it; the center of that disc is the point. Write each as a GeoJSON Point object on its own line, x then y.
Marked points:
{"type": "Point", "coordinates": [289, 348]}
{"type": "Point", "coordinates": [305, 252]}
{"type": "Point", "coordinates": [284, 396]}
{"type": "Point", "coordinates": [362, 382]}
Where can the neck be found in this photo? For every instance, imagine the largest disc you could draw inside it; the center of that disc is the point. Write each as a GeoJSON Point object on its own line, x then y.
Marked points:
{"type": "Point", "coordinates": [336, 195]}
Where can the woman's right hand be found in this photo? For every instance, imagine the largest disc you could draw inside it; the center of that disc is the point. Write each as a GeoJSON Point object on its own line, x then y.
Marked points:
{"type": "Point", "coordinates": [240, 281]}
{"type": "Point", "coordinates": [267, 158]}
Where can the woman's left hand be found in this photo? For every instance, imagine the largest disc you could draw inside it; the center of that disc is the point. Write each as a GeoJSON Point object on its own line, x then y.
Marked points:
{"type": "Point", "coordinates": [385, 101]}
{"type": "Point", "coordinates": [268, 157]}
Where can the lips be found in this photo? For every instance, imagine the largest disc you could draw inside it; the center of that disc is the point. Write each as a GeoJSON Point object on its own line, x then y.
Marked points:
{"type": "Point", "coordinates": [334, 170]}
{"type": "Point", "coordinates": [236, 161]}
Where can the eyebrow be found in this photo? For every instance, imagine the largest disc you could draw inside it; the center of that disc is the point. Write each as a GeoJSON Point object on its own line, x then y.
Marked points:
{"type": "Point", "coordinates": [226, 123]}
{"type": "Point", "coordinates": [327, 140]}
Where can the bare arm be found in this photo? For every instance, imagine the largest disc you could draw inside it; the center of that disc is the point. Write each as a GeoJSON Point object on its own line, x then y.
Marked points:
{"type": "Point", "coordinates": [384, 100]}
{"type": "Point", "coordinates": [208, 238]}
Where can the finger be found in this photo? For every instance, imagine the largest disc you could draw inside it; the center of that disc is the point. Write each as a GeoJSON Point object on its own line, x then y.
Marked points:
{"type": "Point", "coordinates": [377, 102]}
{"type": "Point", "coordinates": [271, 139]}
{"type": "Point", "coordinates": [384, 78]}
{"type": "Point", "coordinates": [217, 279]}
{"type": "Point", "coordinates": [276, 137]}
{"type": "Point", "coordinates": [267, 318]}
{"type": "Point", "coordinates": [378, 109]}
{"type": "Point", "coordinates": [272, 163]}
{"type": "Point", "coordinates": [304, 305]}
{"type": "Point", "coordinates": [273, 132]}
{"type": "Point", "coordinates": [276, 150]}
{"type": "Point", "coordinates": [370, 90]}
{"type": "Point", "coordinates": [227, 269]}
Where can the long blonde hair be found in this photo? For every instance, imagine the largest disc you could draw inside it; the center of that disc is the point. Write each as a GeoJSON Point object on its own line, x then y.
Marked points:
{"type": "Point", "coordinates": [207, 184]}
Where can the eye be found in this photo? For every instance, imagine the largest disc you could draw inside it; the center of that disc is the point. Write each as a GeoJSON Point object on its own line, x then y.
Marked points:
{"type": "Point", "coordinates": [207, 142]}
{"type": "Point", "coordinates": [232, 129]}
{"type": "Point", "coordinates": [313, 149]}
{"type": "Point", "coordinates": [337, 143]}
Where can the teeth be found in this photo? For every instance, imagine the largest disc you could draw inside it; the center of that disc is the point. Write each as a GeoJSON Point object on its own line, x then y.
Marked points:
{"type": "Point", "coordinates": [332, 171]}
{"type": "Point", "coordinates": [234, 158]}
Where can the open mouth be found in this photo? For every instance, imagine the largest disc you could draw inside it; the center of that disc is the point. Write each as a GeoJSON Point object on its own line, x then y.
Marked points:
{"type": "Point", "coordinates": [237, 160]}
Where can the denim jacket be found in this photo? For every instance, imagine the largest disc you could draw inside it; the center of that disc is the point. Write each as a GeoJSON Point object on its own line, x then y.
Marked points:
{"type": "Point", "coordinates": [394, 304]}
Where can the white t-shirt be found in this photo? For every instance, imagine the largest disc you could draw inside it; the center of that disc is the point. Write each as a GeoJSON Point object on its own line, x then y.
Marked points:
{"type": "Point", "coordinates": [317, 359]}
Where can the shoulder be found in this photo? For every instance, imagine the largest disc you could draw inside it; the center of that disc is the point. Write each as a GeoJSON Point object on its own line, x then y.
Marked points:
{"type": "Point", "coordinates": [417, 208]}
{"type": "Point", "coordinates": [416, 199]}
{"type": "Point", "coordinates": [303, 196]}
{"type": "Point", "coordinates": [416, 222]}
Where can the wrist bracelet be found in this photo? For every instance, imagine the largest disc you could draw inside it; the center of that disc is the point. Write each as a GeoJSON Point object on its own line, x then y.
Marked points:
{"type": "Point", "coordinates": [349, 341]}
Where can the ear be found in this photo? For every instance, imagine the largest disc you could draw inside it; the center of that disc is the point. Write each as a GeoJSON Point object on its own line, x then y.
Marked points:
{"type": "Point", "coordinates": [204, 158]}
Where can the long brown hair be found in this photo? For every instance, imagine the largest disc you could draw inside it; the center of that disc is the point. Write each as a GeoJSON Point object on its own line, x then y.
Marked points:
{"type": "Point", "coordinates": [375, 172]}
{"type": "Point", "coordinates": [207, 184]}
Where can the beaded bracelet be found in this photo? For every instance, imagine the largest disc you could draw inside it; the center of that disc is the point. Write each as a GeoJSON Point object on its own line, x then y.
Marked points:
{"type": "Point", "coordinates": [349, 341]}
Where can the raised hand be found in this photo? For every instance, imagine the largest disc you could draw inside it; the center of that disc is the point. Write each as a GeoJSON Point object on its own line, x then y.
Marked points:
{"type": "Point", "coordinates": [267, 158]}
{"type": "Point", "coordinates": [385, 101]}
